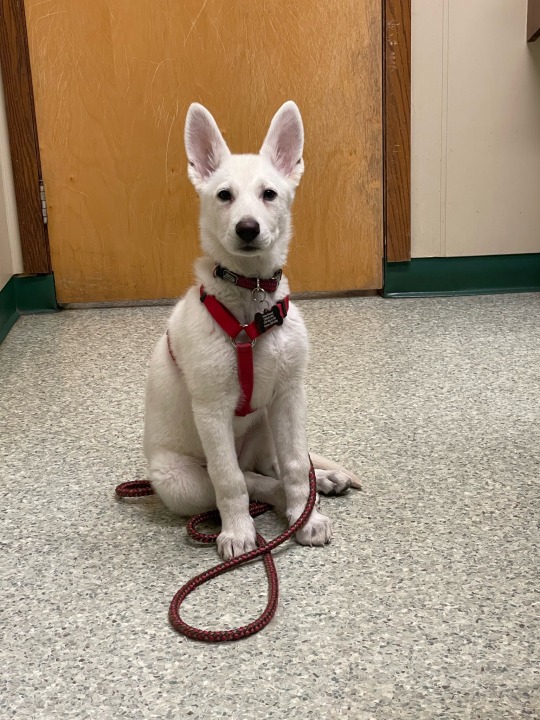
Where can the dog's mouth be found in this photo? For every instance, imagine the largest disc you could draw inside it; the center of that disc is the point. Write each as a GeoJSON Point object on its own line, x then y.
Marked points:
{"type": "Point", "coordinates": [240, 246]}
{"type": "Point", "coordinates": [250, 248]}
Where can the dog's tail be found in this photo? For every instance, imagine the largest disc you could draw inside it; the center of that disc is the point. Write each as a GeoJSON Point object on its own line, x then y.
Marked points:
{"type": "Point", "coordinates": [322, 463]}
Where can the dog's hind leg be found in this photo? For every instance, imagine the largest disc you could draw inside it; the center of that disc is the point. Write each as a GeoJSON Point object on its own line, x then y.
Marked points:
{"type": "Point", "coordinates": [259, 454]}
{"type": "Point", "coordinates": [332, 478]}
{"type": "Point", "coordinates": [184, 486]}
{"type": "Point", "coordinates": [181, 482]}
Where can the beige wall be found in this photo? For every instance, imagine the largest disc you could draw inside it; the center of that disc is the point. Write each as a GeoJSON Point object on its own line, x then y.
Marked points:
{"type": "Point", "coordinates": [475, 129]}
{"type": "Point", "coordinates": [10, 250]}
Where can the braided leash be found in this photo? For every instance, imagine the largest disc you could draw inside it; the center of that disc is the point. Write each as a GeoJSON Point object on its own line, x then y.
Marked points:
{"type": "Point", "coordinates": [140, 488]}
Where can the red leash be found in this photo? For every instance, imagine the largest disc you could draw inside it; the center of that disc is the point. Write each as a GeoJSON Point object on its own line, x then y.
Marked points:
{"type": "Point", "coordinates": [139, 488]}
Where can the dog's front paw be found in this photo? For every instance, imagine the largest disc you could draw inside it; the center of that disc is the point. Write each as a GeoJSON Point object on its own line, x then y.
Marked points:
{"type": "Point", "coordinates": [332, 482]}
{"type": "Point", "coordinates": [231, 544]}
{"type": "Point", "coordinates": [317, 530]}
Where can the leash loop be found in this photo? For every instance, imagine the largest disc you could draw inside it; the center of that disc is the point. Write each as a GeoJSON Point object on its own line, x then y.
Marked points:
{"type": "Point", "coordinates": [264, 549]}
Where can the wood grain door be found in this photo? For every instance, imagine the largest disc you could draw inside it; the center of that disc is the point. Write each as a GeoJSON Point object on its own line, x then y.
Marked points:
{"type": "Point", "coordinates": [113, 80]}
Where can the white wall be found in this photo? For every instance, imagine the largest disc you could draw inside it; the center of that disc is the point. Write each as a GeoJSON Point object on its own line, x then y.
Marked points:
{"type": "Point", "coordinates": [475, 129]}
{"type": "Point", "coordinates": [10, 247]}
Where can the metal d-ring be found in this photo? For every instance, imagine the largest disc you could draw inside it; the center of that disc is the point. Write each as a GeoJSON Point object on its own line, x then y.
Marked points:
{"type": "Point", "coordinates": [233, 340]}
{"type": "Point", "coordinates": [258, 294]}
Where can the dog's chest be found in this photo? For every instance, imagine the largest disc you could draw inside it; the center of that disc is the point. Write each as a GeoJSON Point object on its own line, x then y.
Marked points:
{"type": "Point", "coordinates": [269, 368]}
{"type": "Point", "coordinates": [277, 356]}
{"type": "Point", "coordinates": [210, 361]}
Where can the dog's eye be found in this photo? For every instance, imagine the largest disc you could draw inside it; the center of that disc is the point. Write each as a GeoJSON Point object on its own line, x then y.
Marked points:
{"type": "Point", "coordinates": [269, 194]}
{"type": "Point", "coordinates": [224, 195]}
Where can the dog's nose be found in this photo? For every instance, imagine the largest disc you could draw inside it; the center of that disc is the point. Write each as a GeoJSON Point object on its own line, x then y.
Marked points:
{"type": "Point", "coordinates": [247, 229]}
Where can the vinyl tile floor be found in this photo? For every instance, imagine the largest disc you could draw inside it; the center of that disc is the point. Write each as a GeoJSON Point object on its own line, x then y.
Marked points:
{"type": "Point", "coordinates": [426, 604]}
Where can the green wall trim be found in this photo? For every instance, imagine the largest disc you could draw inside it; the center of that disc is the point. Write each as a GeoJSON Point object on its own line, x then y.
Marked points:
{"type": "Point", "coordinates": [8, 308]}
{"type": "Point", "coordinates": [35, 294]}
{"type": "Point", "coordinates": [24, 295]}
{"type": "Point", "coordinates": [478, 275]}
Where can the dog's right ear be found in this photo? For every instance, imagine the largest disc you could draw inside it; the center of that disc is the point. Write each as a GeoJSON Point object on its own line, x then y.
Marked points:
{"type": "Point", "coordinates": [205, 147]}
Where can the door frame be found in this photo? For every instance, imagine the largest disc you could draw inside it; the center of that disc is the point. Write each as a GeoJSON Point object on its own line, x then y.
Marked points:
{"type": "Point", "coordinates": [23, 137]}
{"type": "Point", "coordinates": [26, 162]}
{"type": "Point", "coordinates": [397, 130]}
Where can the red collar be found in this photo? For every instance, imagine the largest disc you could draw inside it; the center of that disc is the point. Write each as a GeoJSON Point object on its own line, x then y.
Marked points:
{"type": "Point", "coordinates": [244, 350]}
{"type": "Point", "coordinates": [249, 283]}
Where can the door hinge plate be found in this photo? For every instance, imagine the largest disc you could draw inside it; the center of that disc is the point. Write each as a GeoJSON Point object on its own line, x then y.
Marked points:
{"type": "Point", "coordinates": [43, 198]}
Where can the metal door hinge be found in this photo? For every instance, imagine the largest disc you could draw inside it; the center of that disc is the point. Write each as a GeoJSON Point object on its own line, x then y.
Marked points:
{"type": "Point", "coordinates": [44, 214]}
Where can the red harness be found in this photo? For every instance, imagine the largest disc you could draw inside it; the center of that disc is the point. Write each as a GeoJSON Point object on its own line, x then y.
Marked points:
{"type": "Point", "coordinates": [244, 350]}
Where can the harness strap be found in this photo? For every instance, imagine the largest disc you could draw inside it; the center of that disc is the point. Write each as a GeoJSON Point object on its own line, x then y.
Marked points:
{"type": "Point", "coordinates": [169, 347]}
{"type": "Point", "coordinates": [224, 318]}
{"type": "Point", "coordinates": [244, 356]}
{"type": "Point", "coordinates": [244, 350]}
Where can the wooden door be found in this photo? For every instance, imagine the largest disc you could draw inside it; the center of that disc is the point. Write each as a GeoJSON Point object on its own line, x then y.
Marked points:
{"type": "Point", "coordinates": [113, 80]}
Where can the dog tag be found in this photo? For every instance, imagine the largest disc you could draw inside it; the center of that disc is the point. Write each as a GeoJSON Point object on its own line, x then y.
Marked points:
{"type": "Point", "coordinates": [267, 319]}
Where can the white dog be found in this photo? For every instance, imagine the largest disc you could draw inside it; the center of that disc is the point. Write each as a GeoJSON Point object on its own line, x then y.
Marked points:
{"type": "Point", "coordinates": [226, 424]}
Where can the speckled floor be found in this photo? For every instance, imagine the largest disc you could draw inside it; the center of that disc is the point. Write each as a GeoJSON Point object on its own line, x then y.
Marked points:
{"type": "Point", "coordinates": [425, 605]}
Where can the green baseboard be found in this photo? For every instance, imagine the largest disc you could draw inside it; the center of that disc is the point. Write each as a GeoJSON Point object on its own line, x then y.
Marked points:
{"type": "Point", "coordinates": [8, 308]}
{"type": "Point", "coordinates": [478, 275]}
{"type": "Point", "coordinates": [35, 294]}
{"type": "Point", "coordinates": [23, 295]}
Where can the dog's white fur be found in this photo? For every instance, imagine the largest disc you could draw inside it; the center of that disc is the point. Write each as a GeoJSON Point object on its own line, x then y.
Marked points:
{"type": "Point", "coordinates": [199, 453]}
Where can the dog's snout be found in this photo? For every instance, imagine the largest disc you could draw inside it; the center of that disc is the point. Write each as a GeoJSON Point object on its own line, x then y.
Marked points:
{"type": "Point", "coordinates": [247, 229]}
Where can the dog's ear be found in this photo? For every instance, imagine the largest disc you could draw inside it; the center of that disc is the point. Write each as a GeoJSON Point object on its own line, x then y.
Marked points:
{"type": "Point", "coordinates": [284, 142]}
{"type": "Point", "coordinates": [205, 147]}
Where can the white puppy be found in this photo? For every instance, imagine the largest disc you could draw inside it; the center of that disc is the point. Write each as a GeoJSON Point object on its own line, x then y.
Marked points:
{"type": "Point", "coordinates": [201, 453]}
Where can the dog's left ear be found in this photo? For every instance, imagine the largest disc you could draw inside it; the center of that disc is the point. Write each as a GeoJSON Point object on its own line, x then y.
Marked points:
{"type": "Point", "coordinates": [284, 142]}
